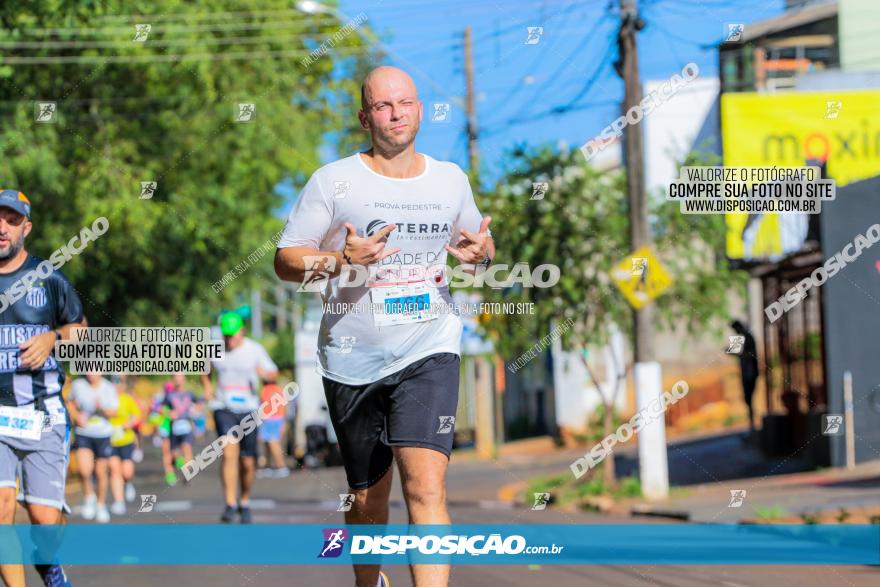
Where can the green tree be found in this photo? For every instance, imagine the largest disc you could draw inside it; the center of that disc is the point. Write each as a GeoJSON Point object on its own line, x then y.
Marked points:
{"type": "Point", "coordinates": [166, 110]}
{"type": "Point", "coordinates": [581, 225]}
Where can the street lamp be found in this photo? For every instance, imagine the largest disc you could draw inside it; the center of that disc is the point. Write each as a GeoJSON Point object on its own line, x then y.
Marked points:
{"type": "Point", "coordinates": [311, 7]}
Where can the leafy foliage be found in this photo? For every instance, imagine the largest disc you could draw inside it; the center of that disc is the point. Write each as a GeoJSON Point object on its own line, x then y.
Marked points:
{"type": "Point", "coordinates": [581, 225]}
{"type": "Point", "coordinates": [152, 118]}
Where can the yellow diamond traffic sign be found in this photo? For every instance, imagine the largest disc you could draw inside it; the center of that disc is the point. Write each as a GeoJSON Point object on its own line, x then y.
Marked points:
{"type": "Point", "coordinates": [640, 277]}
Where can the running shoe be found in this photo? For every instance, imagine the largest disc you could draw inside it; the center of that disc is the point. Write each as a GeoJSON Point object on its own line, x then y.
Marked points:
{"type": "Point", "coordinates": [170, 478]}
{"type": "Point", "coordinates": [130, 493]}
{"type": "Point", "coordinates": [179, 462]}
{"type": "Point", "coordinates": [228, 514]}
{"type": "Point", "coordinates": [281, 472]}
{"type": "Point", "coordinates": [102, 515]}
{"type": "Point", "coordinates": [245, 513]}
{"type": "Point", "coordinates": [89, 507]}
{"type": "Point", "coordinates": [53, 575]}
{"type": "Point", "coordinates": [118, 508]}
{"type": "Point", "coordinates": [383, 580]}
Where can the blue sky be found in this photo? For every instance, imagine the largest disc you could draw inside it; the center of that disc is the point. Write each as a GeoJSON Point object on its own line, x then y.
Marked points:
{"type": "Point", "coordinates": [518, 85]}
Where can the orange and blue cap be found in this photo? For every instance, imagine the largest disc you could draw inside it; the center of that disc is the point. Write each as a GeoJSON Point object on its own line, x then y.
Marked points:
{"type": "Point", "coordinates": [17, 201]}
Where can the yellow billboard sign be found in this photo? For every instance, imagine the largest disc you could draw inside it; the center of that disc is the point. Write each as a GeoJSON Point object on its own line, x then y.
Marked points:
{"type": "Point", "coordinates": [787, 129]}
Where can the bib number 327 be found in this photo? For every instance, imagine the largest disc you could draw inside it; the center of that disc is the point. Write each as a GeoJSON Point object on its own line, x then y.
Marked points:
{"type": "Point", "coordinates": [21, 423]}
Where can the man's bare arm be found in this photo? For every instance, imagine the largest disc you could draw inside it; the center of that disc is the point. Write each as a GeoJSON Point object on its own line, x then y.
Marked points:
{"type": "Point", "coordinates": [267, 376]}
{"type": "Point", "coordinates": [290, 262]}
{"type": "Point", "coordinates": [67, 330]}
{"type": "Point", "coordinates": [207, 386]}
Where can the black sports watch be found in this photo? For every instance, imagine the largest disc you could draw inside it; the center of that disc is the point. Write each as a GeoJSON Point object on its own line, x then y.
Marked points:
{"type": "Point", "coordinates": [486, 261]}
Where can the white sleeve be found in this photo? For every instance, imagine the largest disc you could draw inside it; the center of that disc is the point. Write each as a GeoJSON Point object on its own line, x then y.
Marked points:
{"type": "Point", "coordinates": [469, 216]}
{"type": "Point", "coordinates": [309, 220]}
{"type": "Point", "coordinates": [75, 391]}
{"type": "Point", "coordinates": [265, 361]}
{"type": "Point", "coordinates": [110, 397]}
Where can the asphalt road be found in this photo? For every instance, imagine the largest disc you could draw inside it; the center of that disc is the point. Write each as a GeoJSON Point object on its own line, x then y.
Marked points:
{"type": "Point", "coordinates": [312, 496]}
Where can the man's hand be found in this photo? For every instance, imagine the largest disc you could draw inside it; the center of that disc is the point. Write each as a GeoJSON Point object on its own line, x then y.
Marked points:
{"type": "Point", "coordinates": [364, 251]}
{"type": "Point", "coordinates": [473, 248]}
{"type": "Point", "coordinates": [36, 350]}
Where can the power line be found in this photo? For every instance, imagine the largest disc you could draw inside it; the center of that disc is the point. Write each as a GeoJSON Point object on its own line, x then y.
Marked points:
{"type": "Point", "coordinates": [145, 18]}
{"type": "Point", "coordinates": [230, 56]}
{"type": "Point", "coordinates": [562, 66]}
{"type": "Point", "coordinates": [207, 41]}
{"type": "Point", "coordinates": [603, 62]}
{"type": "Point", "coordinates": [571, 105]}
{"type": "Point", "coordinates": [249, 40]}
{"type": "Point", "coordinates": [703, 46]}
{"type": "Point", "coordinates": [108, 31]}
{"type": "Point", "coordinates": [539, 57]}
{"type": "Point", "coordinates": [551, 113]}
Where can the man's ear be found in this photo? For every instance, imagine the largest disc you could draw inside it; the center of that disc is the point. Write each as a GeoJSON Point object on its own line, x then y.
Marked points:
{"type": "Point", "coordinates": [362, 117]}
{"type": "Point", "coordinates": [28, 225]}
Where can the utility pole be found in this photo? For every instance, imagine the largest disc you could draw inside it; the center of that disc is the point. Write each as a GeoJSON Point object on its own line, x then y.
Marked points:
{"type": "Point", "coordinates": [630, 24]}
{"type": "Point", "coordinates": [477, 368]}
{"type": "Point", "coordinates": [470, 102]}
{"type": "Point", "coordinates": [648, 377]}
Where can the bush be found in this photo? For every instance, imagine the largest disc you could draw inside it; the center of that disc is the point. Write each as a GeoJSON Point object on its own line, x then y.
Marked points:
{"type": "Point", "coordinates": [544, 484]}
{"type": "Point", "coordinates": [769, 513]}
{"type": "Point", "coordinates": [596, 427]}
{"type": "Point", "coordinates": [629, 487]}
{"type": "Point", "coordinates": [281, 348]}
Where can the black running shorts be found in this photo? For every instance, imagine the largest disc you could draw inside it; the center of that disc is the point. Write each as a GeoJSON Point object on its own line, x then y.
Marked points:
{"type": "Point", "coordinates": [225, 420]}
{"type": "Point", "coordinates": [413, 407]}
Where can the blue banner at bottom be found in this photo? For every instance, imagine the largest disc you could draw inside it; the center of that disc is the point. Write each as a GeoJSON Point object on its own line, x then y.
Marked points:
{"type": "Point", "coordinates": [575, 544]}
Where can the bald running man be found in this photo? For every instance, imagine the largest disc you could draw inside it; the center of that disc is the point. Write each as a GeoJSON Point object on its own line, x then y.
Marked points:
{"type": "Point", "coordinates": [390, 377]}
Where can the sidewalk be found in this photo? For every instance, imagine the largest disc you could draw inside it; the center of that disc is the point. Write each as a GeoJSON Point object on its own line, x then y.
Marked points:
{"type": "Point", "coordinates": [703, 471]}
{"type": "Point", "coordinates": [829, 490]}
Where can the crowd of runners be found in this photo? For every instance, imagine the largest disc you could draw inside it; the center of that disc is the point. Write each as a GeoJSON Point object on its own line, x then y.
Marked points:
{"type": "Point", "coordinates": [111, 425]}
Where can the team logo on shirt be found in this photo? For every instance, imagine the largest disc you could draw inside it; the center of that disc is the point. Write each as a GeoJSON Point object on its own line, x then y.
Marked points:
{"type": "Point", "coordinates": [413, 230]}
{"type": "Point", "coordinates": [334, 541]}
{"type": "Point", "coordinates": [36, 297]}
{"type": "Point", "coordinates": [375, 226]}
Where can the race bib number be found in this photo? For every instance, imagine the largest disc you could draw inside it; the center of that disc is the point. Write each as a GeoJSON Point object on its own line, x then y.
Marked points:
{"type": "Point", "coordinates": [403, 304]}
{"type": "Point", "coordinates": [181, 427]}
{"type": "Point", "coordinates": [237, 399]}
{"type": "Point", "coordinates": [21, 422]}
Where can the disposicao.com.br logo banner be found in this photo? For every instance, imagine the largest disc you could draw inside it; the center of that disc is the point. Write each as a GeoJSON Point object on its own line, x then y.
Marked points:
{"type": "Point", "coordinates": [568, 544]}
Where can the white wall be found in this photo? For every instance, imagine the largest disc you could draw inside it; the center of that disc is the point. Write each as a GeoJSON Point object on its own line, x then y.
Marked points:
{"type": "Point", "coordinates": [671, 129]}
{"type": "Point", "coordinates": [576, 398]}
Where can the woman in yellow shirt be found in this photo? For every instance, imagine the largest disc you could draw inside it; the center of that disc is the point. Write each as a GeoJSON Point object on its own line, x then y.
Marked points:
{"type": "Point", "coordinates": [122, 441]}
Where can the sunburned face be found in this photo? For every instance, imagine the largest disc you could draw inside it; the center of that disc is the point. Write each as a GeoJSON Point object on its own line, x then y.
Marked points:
{"type": "Point", "coordinates": [392, 111]}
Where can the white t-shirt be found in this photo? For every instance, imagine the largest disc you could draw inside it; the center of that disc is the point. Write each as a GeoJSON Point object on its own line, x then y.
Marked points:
{"type": "Point", "coordinates": [238, 382]}
{"type": "Point", "coordinates": [358, 347]}
{"type": "Point", "coordinates": [87, 398]}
